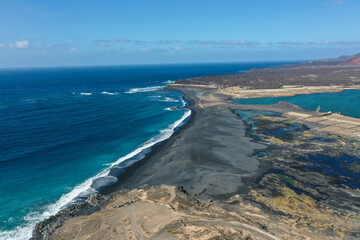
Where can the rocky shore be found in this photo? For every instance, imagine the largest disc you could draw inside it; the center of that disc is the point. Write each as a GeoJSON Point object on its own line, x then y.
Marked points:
{"type": "Point", "coordinates": [232, 172]}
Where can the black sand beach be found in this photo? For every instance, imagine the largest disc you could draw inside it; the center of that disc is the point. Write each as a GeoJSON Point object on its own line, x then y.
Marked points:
{"type": "Point", "coordinates": [209, 155]}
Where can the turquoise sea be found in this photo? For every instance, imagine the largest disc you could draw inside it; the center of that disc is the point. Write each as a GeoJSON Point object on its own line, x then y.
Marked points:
{"type": "Point", "coordinates": [68, 132]}
{"type": "Point", "coordinates": [346, 102]}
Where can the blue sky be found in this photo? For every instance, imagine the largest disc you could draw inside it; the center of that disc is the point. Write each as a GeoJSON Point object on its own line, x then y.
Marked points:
{"type": "Point", "coordinates": [35, 33]}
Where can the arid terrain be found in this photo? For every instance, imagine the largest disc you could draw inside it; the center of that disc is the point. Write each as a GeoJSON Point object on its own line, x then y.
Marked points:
{"type": "Point", "coordinates": [342, 71]}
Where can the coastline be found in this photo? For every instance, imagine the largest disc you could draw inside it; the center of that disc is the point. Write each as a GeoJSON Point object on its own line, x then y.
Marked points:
{"type": "Point", "coordinates": [105, 178]}
{"type": "Point", "coordinates": [81, 206]}
{"type": "Point", "coordinates": [128, 171]}
{"type": "Point", "coordinates": [199, 156]}
{"type": "Point", "coordinates": [284, 108]}
{"type": "Point", "coordinates": [184, 154]}
{"type": "Point", "coordinates": [129, 179]}
{"type": "Point", "coordinates": [80, 190]}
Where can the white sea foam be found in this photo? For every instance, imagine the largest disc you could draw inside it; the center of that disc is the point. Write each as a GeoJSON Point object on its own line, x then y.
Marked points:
{"type": "Point", "coordinates": [167, 99]}
{"type": "Point", "coordinates": [85, 93]}
{"type": "Point", "coordinates": [146, 89]}
{"type": "Point", "coordinates": [20, 233]}
{"type": "Point", "coordinates": [183, 102]}
{"type": "Point", "coordinates": [85, 189]}
{"type": "Point", "coordinates": [169, 82]}
{"type": "Point", "coordinates": [109, 93]}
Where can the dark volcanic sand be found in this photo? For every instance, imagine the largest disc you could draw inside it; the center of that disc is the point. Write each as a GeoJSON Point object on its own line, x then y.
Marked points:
{"type": "Point", "coordinates": [209, 156]}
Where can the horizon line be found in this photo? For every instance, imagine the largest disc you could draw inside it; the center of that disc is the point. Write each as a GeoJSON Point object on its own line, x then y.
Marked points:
{"type": "Point", "coordinates": [144, 64]}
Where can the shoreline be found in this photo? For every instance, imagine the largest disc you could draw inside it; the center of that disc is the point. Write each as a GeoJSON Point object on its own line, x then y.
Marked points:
{"type": "Point", "coordinates": [334, 123]}
{"type": "Point", "coordinates": [78, 201]}
{"type": "Point", "coordinates": [132, 179]}
{"type": "Point", "coordinates": [285, 91]}
{"type": "Point", "coordinates": [212, 156]}
{"type": "Point", "coordinates": [86, 208]}
{"type": "Point", "coordinates": [186, 159]}
{"type": "Point", "coordinates": [82, 207]}
{"type": "Point", "coordinates": [128, 171]}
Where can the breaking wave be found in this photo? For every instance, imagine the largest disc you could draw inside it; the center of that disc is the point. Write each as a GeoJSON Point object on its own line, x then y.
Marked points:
{"type": "Point", "coordinates": [146, 89]}
{"type": "Point", "coordinates": [93, 185]}
{"type": "Point", "coordinates": [169, 82]}
{"type": "Point", "coordinates": [168, 99]}
{"type": "Point", "coordinates": [109, 93]}
{"type": "Point", "coordinates": [85, 93]}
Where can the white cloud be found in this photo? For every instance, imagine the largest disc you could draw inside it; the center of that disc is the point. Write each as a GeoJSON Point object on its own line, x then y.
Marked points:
{"type": "Point", "coordinates": [193, 41]}
{"type": "Point", "coordinates": [178, 48]}
{"type": "Point", "coordinates": [59, 47]}
{"type": "Point", "coordinates": [225, 47]}
{"type": "Point", "coordinates": [170, 41]}
{"type": "Point", "coordinates": [20, 44]}
{"type": "Point", "coordinates": [325, 42]}
{"type": "Point", "coordinates": [125, 40]}
{"type": "Point", "coordinates": [224, 42]}
{"type": "Point", "coordinates": [142, 42]}
{"type": "Point", "coordinates": [103, 43]}
{"type": "Point", "coordinates": [150, 50]}
{"type": "Point", "coordinates": [23, 44]}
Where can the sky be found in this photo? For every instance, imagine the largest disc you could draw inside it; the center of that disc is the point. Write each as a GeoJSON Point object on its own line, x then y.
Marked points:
{"type": "Point", "coordinates": [43, 33]}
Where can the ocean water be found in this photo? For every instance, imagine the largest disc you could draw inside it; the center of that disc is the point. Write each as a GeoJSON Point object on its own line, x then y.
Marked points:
{"type": "Point", "coordinates": [68, 132]}
{"type": "Point", "coordinates": [346, 102]}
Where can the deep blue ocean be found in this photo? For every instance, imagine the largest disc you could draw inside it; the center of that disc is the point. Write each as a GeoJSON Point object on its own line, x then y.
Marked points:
{"type": "Point", "coordinates": [346, 102]}
{"type": "Point", "coordinates": [68, 132]}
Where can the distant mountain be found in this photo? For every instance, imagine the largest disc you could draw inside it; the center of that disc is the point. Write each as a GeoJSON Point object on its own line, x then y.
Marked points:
{"type": "Point", "coordinates": [355, 60]}
{"type": "Point", "coordinates": [342, 60]}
